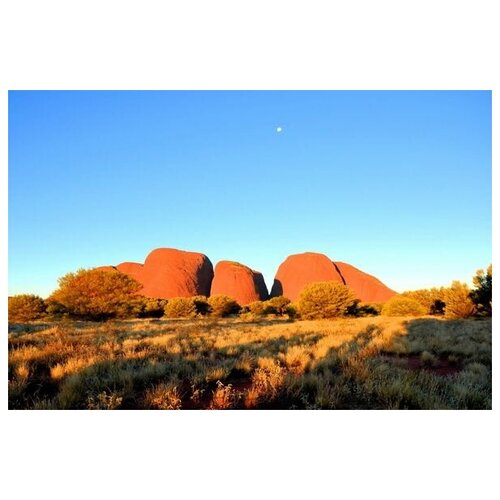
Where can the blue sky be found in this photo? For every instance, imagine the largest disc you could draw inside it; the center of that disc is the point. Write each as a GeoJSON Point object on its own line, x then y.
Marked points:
{"type": "Point", "coordinates": [397, 183]}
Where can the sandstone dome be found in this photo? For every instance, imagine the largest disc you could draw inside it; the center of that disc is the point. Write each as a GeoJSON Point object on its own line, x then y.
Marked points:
{"type": "Point", "coordinates": [239, 282]}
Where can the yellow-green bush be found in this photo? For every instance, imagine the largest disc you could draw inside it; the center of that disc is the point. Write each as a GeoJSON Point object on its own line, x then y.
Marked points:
{"type": "Point", "coordinates": [276, 305]}
{"type": "Point", "coordinates": [98, 294]}
{"type": "Point", "coordinates": [327, 299]}
{"type": "Point", "coordinates": [180, 307]}
{"type": "Point", "coordinates": [26, 307]}
{"type": "Point", "coordinates": [458, 301]}
{"type": "Point", "coordinates": [222, 305]}
{"type": "Point", "coordinates": [403, 306]}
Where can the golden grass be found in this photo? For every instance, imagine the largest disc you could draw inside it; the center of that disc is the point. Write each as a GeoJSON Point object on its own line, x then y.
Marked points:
{"type": "Point", "coordinates": [373, 362]}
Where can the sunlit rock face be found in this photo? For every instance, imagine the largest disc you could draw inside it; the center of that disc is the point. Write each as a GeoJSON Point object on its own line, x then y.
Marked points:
{"type": "Point", "coordinates": [300, 270]}
{"type": "Point", "coordinates": [133, 269]}
{"type": "Point", "coordinates": [239, 282]}
{"type": "Point", "coordinates": [366, 287]}
{"type": "Point", "coordinates": [171, 273]}
{"type": "Point", "coordinates": [168, 272]}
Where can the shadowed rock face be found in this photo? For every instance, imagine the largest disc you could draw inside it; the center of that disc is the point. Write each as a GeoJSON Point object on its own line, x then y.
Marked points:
{"type": "Point", "coordinates": [365, 286]}
{"type": "Point", "coordinates": [239, 282]}
{"type": "Point", "coordinates": [299, 270]}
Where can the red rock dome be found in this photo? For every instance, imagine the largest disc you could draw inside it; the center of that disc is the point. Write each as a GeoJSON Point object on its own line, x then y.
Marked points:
{"type": "Point", "coordinates": [168, 273]}
{"type": "Point", "coordinates": [133, 269]}
{"type": "Point", "coordinates": [299, 270]}
{"type": "Point", "coordinates": [366, 287]}
{"type": "Point", "coordinates": [239, 282]}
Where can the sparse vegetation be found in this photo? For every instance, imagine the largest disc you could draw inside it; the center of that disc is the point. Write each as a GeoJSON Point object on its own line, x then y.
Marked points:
{"type": "Point", "coordinates": [372, 362]}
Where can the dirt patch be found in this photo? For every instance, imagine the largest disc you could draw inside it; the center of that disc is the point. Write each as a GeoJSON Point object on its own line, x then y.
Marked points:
{"type": "Point", "coordinates": [440, 366]}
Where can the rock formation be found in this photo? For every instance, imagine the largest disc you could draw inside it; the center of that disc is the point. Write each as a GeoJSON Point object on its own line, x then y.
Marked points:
{"type": "Point", "coordinates": [299, 270]}
{"type": "Point", "coordinates": [239, 282]}
{"type": "Point", "coordinates": [133, 269]}
{"type": "Point", "coordinates": [168, 273]}
{"type": "Point", "coordinates": [367, 287]}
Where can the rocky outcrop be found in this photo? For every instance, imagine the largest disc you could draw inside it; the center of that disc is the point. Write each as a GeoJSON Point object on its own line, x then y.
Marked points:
{"type": "Point", "coordinates": [133, 269]}
{"type": "Point", "coordinates": [168, 272]}
{"type": "Point", "coordinates": [239, 282]}
{"type": "Point", "coordinates": [299, 270]}
{"type": "Point", "coordinates": [365, 286]}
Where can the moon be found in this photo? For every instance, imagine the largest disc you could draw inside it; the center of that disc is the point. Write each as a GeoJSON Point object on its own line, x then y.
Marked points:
{"type": "Point", "coordinates": [279, 129]}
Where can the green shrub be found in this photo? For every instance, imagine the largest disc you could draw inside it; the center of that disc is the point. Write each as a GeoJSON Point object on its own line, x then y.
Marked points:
{"type": "Point", "coordinates": [255, 308]}
{"type": "Point", "coordinates": [201, 304]}
{"type": "Point", "coordinates": [403, 306]}
{"type": "Point", "coordinates": [362, 309]}
{"type": "Point", "coordinates": [328, 299]}
{"type": "Point", "coordinates": [152, 308]}
{"type": "Point", "coordinates": [180, 307]}
{"type": "Point", "coordinates": [26, 307]}
{"type": "Point", "coordinates": [458, 301]}
{"type": "Point", "coordinates": [430, 298]}
{"type": "Point", "coordinates": [276, 305]}
{"type": "Point", "coordinates": [482, 293]}
{"type": "Point", "coordinates": [98, 294]}
{"type": "Point", "coordinates": [222, 305]}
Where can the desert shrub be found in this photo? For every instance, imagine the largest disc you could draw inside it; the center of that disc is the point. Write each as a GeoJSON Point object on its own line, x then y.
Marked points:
{"type": "Point", "coordinates": [327, 299]}
{"type": "Point", "coordinates": [276, 305]}
{"type": "Point", "coordinates": [26, 307]}
{"type": "Point", "coordinates": [482, 293]}
{"type": "Point", "coordinates": [458, 301]}
{"type": "Point", "coordinates": [430, 298]}
{"type": "Point", "coordinates": [255, 308]}
{"type": "Point", "coordinates": [222, 305]}
{"type": "Point", "coordinates": [152, 308]}
{"type": "Point", "coordinates": [55, 310]}
{"type": "Point", "coordinates": [180, 307]}
{"type": "Point", "coordinates": [362, 309]}
{"type": "Point", "coordinates": [98, 294]}
{"type": "Point", "coordinates": [201, 304]}
{"type": "Point", "coordinates": [292, 310]}
{"type": "Point", "coordinates": [403, 306]}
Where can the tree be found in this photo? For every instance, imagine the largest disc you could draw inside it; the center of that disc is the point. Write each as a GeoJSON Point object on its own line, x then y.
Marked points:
{"type": "Point", "coordinates": [26, 307]}
{"type": "Point", "coordinates": [98, 294]}
{"type": "Point", "coordinates": [403, 306]}
{"type": "Point", "coordinates": [482, 293]}
{"type": "Point", "coordinates": [458, 301]}
{"type": "Point", "coordinates": [327, 299]}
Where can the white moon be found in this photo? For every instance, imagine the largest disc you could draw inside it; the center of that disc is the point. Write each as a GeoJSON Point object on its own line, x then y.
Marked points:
{"type": "Point", "coordinates": [279, 129]}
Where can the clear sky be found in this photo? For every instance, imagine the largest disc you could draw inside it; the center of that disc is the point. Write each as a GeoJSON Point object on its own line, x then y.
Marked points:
{"type": "Point", "coordinates": [397, 184]}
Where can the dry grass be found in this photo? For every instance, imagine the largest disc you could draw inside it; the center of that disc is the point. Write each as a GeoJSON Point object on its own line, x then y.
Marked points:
{"type": "Point", "coordinates": [373, 362]}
